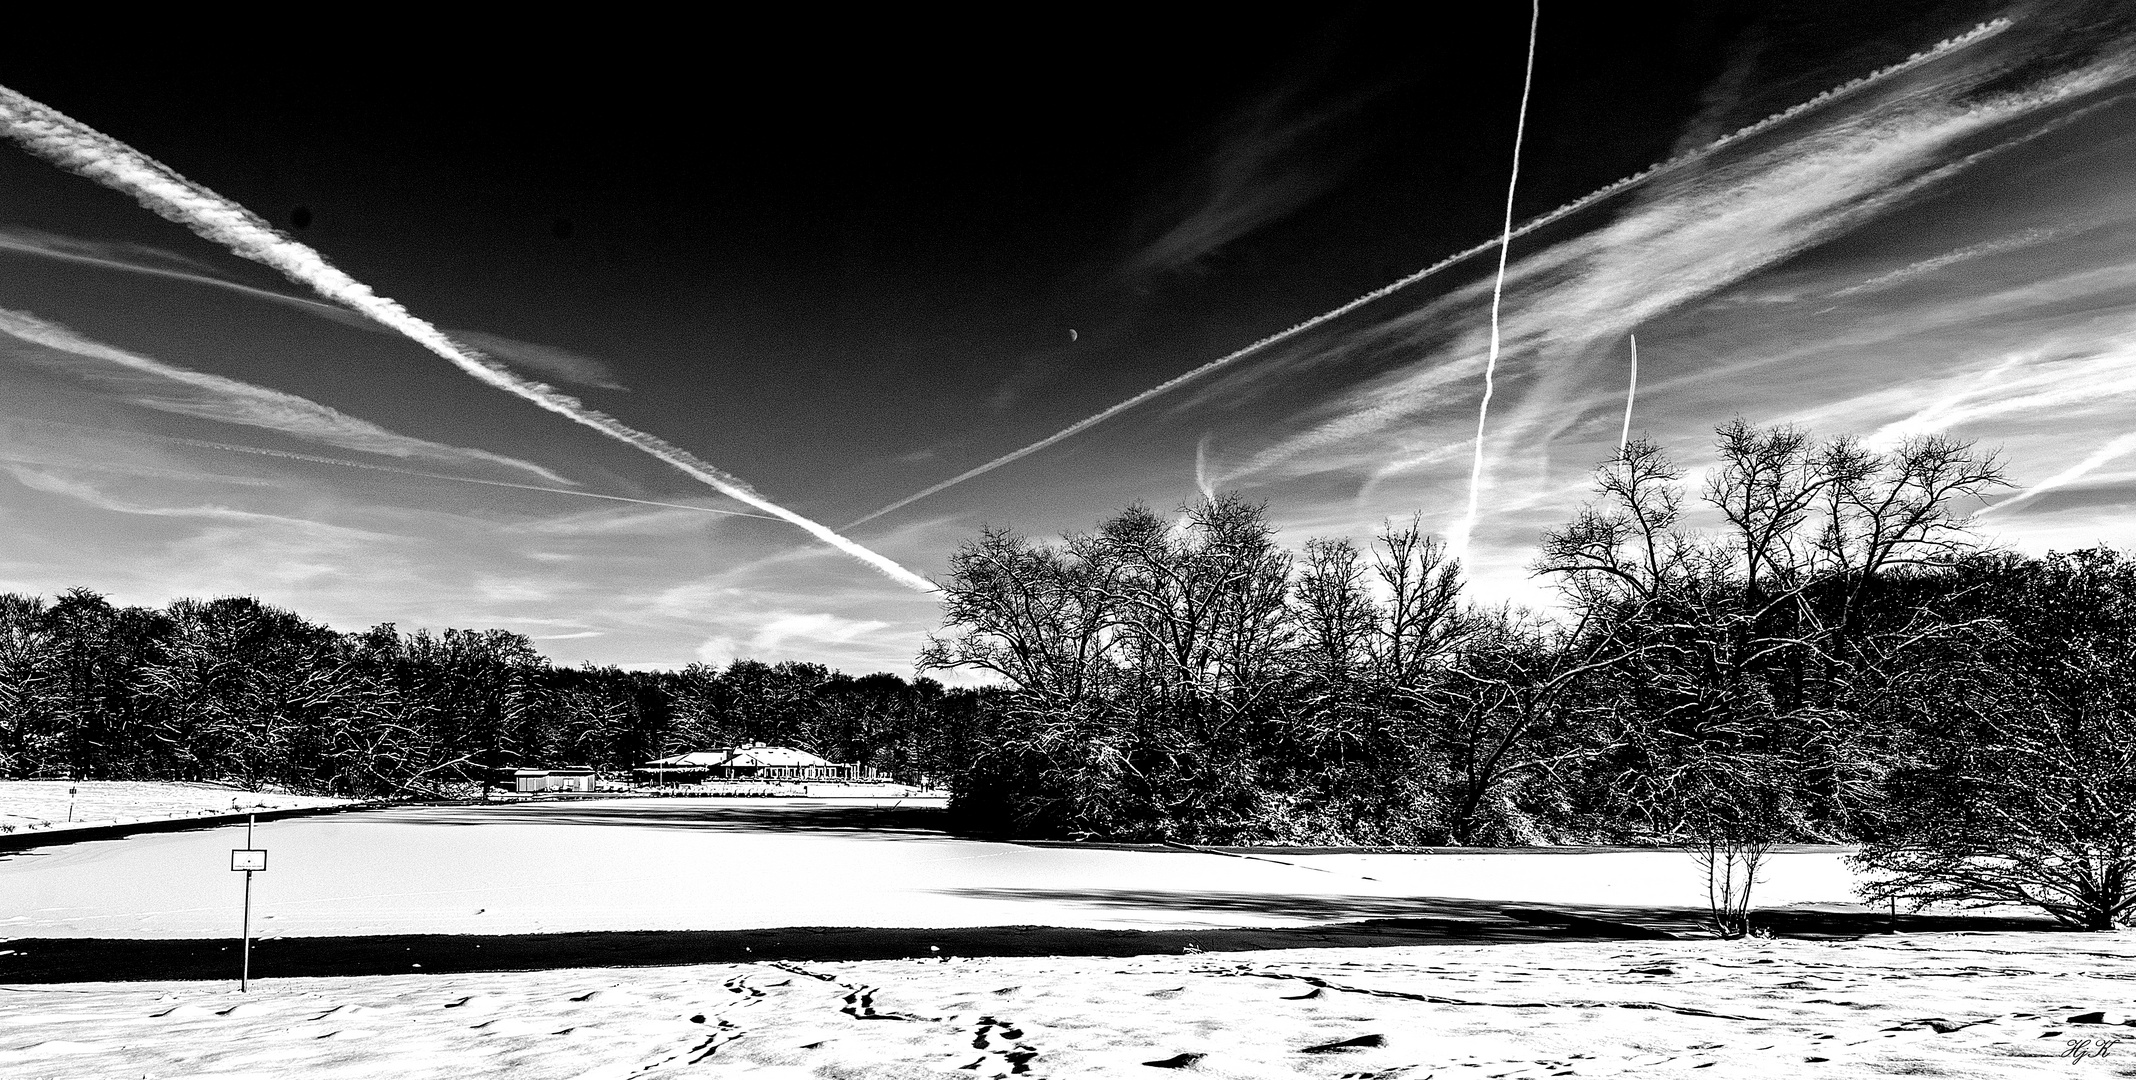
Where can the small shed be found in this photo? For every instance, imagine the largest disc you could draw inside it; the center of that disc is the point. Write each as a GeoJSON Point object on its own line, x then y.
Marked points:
{"type": "Point", "coordinates": [571, 778]}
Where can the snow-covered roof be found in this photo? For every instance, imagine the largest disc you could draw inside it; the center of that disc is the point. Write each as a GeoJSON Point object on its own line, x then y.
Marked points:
{"type": "Point", "coordinates": [742, 757]}
{"type": "Point", "coordinates": [696, 759]}
{"type": "Point", "coordinates": [774, 756]}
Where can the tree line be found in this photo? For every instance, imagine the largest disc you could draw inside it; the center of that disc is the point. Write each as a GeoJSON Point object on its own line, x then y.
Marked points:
{"type": "Point", "coordinates": [1833, 656]}
{"type": "Point", "coordinates": [236, 690]}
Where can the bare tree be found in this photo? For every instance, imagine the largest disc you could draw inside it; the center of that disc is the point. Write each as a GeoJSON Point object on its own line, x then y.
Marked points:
{"type": "Point", "coordinates": [1505, 713]}
{"type": "Point", "coordinates": [2018, 783]}
{"type": "Point", "coordinates": [1424, 620]}
{"type": "Point", "coordinates": [1334, 612]}
{"type": "Point", "coordinates": [1037, 616]}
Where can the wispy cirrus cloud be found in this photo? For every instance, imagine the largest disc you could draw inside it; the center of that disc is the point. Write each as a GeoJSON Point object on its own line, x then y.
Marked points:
{"type": "Point", "coordinates": [550, 361]}
{"type": "Point", "coordinates": [113, 255]}
{"type": "Point", "coordinates": [139, 520]}
{"type": "Point", "coordinates": [783, 632]}
{"type": "Point", "coordinates": [1968, 253]}
{"type": "Point", "coordinates": [1683, 243]}
{"type": "Point", "coordinates": [1293, 337]}
{"type": "Point", "coordinates": [157, 262]}
{"type": "Point", "coordinates": [2114, 449]}
{"type": "Point", "coordinates": [1268, 161]}
{"type": "Point", "coordinates": [52, 481]}
{"type": "Point", "coordinates": [167, 387]}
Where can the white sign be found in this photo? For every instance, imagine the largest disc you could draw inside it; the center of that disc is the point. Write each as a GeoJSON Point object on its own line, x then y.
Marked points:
{"type": "Point", "coordinates": [248, 858]}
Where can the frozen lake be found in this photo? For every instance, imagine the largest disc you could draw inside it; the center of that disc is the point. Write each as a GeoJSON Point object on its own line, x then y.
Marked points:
{"type": "Point", "coordinates": [720, 864]}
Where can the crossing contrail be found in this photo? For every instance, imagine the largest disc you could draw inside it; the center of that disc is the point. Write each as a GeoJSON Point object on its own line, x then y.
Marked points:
{"type": "Point", "coordinates": [1458, 536]}
{"type": "Point", "coordinates": [72, 145]}
{"type": "Point", "coordinates": [1624, 438]}
{"type": "Point", "coordinates": [320, 459]}
{"type": "Point", "coordinates": [26, 246]}
{"type": "Point", "coordinates": [1944, 48]}
{"type": "Point", "coordinates": [396, 470]}
{"type": "Point", "coordinates": [2115, 448]}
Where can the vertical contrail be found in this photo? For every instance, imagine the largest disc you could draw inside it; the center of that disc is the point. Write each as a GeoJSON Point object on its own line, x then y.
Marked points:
{"type": "Point", "coordinates": [1624, 438]}
{"type": "Point", "coordinates": [1458, 541]}
{"type": "Point", "coordinates": [72, 145]}
{"type": "Point", "coordinates": [1942, 48]}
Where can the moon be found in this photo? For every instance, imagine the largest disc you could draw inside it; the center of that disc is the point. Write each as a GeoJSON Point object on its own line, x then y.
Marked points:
{"type": "Point", "coordinates": [1071, 334]}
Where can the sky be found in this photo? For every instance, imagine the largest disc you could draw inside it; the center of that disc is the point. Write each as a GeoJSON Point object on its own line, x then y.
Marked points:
{"type": "Point", "coordinates": [829, 267]}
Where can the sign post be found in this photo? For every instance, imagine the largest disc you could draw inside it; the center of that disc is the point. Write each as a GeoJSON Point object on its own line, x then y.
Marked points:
{"type": "Point", "coordinates": [251, 860]}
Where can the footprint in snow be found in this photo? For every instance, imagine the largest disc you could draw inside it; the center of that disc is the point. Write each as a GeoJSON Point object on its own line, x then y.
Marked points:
{"type": "Point", "coordinates": [1362, 1042]}
{"type": "Point", "coordinates": [1001, 1040]}
{"type": "Point", "coordinates": [1176, 1061]}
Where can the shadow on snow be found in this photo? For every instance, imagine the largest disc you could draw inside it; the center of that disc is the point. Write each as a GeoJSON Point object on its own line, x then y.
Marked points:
{"type": "Point", "coordinates": [893, 821]}
{"type": "Point", "coordinates": [1451, 922]}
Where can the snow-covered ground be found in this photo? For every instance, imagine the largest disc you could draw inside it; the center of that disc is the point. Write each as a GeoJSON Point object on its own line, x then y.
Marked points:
{"type": "Point", "coordinates": [1930, 1004]}
{"type": "Point", "coordinates": [1951, 1005]}
{"type": "Point", "coordinates": [36, 806]}
{"type": "Point", "coordinates": [713, 864]}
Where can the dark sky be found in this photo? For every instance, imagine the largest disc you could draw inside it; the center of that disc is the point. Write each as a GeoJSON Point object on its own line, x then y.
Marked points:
{"type": "Point", "coordinates": [876, 204]}
{"type": "Point", "coordinates": [842, 258]}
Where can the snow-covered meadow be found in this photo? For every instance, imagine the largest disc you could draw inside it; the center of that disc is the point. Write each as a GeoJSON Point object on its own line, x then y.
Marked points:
{"type": "Point", "coordinates": [38, 806]}
{"type": "Point", "coordinates": [718, 864]}
{"type": "Point", "coordinates": [1953, 1005]}
{"type": "Point", "coordinates": [1536, 1002]}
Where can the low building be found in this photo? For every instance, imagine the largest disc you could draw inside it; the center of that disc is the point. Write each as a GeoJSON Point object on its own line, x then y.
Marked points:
{"type": "Point", "coordinates": [742, 763]}
{"type": "Point", "coordinates": [783, 763]}
{"type": "Point", "coordinates": [574, 778]}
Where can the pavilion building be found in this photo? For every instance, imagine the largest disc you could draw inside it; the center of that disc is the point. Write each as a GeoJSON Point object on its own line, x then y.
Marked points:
{"type": "Point", "coordinates": [742, 763]}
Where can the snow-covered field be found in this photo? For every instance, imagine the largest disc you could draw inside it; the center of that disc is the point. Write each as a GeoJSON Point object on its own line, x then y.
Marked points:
{"type": "Point", "coordinates": [713, 864]}
{"type": "Point", "coordinates": [46, 805]}
{"type": "Point", "coordinates": [1951, 1005]}
{"type": "Point", "coordinates": [1928, 1004]}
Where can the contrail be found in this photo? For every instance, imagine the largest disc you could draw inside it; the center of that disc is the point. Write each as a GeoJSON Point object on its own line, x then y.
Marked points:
{"type": "Point", "coordinates": [292, 455]}
{"type": "Point", "coordinates": [394, 469]}
{"type": "Point", "coordinates": [1943, 48]}
{"type": "Point", "coordinates": [1201, 468]}
{"type": "Point", "coordinates": [1457, 540]}
{"type": "Point", "coordinates": [1624, 438]}
{"type": "Point", "coordinates": [9, 242]}
{"type": "Point", "coordinates": [63, 141]}
{"type": "Point", "coordinates": [2117, 447]}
